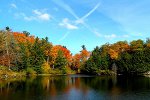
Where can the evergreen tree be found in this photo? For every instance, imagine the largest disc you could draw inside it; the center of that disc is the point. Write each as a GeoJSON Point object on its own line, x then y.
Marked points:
{"type": "Point", "coordinates": [60, 61]}
{"type": "Point", "coordinates": [37, 56]}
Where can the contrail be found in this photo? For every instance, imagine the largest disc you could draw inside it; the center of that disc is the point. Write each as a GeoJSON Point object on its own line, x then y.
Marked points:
{"type": "Point", "coordinates": [85, 16]}
{"type": "Point", "coordinates": [66, 34]}
{"type": "Point", "coordinates": [70, 10]}
{"type": "Point", "coordinates": [66, 7]}
{"type": "Point", "coordinates": [90, 12]}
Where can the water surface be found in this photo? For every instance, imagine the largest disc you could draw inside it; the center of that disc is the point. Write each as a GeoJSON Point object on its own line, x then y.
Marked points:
{"type": "Point", "coordinates": [76, 87]}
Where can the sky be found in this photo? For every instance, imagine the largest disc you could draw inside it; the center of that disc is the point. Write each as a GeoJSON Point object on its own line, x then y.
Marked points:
{"type": "Point", "coordinates": [73, 23]}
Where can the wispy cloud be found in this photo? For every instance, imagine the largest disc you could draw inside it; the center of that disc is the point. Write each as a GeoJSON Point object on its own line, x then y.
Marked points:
{"type": "Point", "coordinates": [133, 18]}
{"type": "Point", "coordinates": [19, 15]}
{"type": "Point", "coordinates": [36, 15]}
{"type": "Point", "coordinates": [98, 34]}
{"type": "Point", "coordinates": [13, 5]}
{"type": "Point", "coordinates": [29, 18]}
{"type": "Point", "coordinates": [114, 36]}
{"type": "Point", "coordinates": [110, 36]}
{"type": "Point", "coordinates": [67, 24]}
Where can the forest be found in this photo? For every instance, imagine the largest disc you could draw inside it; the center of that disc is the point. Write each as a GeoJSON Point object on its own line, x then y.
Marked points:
{"type": "Point", "coordinates": [23, 53]}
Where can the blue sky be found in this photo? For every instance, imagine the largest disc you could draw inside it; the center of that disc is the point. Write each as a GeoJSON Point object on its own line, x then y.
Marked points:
{"type": "Point", "coordinates": [73, 23]}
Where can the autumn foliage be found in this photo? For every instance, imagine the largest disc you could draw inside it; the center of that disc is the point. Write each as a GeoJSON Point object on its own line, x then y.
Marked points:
{"type": "Point", "coordinates": [20, 51]}
{"type": "Point", "coordinates": [22, 38]}
{"type": "Point", "coordinates": [66, 52]}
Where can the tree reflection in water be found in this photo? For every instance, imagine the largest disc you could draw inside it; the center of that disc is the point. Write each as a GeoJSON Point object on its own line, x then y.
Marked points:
{"type": "Point", "coordinates": [74, 87]}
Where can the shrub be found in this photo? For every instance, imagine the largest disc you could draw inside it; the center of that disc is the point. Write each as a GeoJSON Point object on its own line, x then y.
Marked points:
{"type": "Point", "coordinates": [31, 71]}
{"type": "Point", "coordinates": [45, 68]}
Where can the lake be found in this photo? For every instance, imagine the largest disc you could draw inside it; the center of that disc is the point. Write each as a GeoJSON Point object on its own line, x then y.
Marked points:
{"type": "Point", "coordinates": [76, 87]}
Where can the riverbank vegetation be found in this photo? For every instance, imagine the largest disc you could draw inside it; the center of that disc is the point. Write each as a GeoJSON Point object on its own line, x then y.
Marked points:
{"type": "Point", "coordinates": [121, 57]}
{"type": "Point", "coordinates": [21, 52]}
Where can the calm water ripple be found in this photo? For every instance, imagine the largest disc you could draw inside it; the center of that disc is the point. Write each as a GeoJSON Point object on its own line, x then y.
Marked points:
{"type": "Point", "coordinates": [76, 87]}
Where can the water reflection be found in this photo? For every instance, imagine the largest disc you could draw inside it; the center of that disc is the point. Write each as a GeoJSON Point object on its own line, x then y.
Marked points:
{"type": "Point", "coordinates": [75, 87]}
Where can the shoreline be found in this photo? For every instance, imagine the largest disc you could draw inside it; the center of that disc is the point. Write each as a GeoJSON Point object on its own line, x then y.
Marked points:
{"type": "Point", "coordinates": [3, 77]}
{"type": "Point", "coordinates": [18, 75]}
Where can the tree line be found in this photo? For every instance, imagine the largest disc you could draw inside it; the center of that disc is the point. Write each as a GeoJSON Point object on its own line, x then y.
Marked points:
{"type": "Point", "coordinates": [128, 58]}
{"type": "Point", "coordinates": [20, 51]}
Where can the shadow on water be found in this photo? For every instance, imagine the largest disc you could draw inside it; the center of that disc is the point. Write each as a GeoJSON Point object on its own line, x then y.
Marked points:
{"type": "Point", "coordinates": [75, 87]}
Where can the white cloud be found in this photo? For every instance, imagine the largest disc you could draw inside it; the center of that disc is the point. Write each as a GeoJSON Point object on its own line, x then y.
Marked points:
{"type": "Point", "coordinates": [110, 36]}
{"type": "Point", "coordinates": [114, 36]}
{"type": "Point", "coordinates": [13, 5]}
{"type": "Point", "coordinates": [67, 24]}
{"type": "Point", "coordinates": [41, 16]}
{"type": "Point", "coordinates": [36, 15]}
{"type": "Point", "coordinates": [44, 16]}
{"type": "Point", "coordinates": [37, 12]}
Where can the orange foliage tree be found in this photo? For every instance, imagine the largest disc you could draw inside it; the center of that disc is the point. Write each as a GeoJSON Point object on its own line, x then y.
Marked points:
{"type": "Point", "coordinates": [76, 61]}
{"type": "Point", "coordinates": [116, 48]}
{"type": "Point", "coordinates": [54, 53]}
{"type": "Point", "coordinates": [79, 59]}
{"type": "Point", "coordinates": [22, 38]}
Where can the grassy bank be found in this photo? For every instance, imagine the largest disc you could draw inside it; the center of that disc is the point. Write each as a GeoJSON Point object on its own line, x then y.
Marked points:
{"type": "Point", "coordinates": [106, 72]}
{"type": "Point", "coordinates": [5, 73]}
